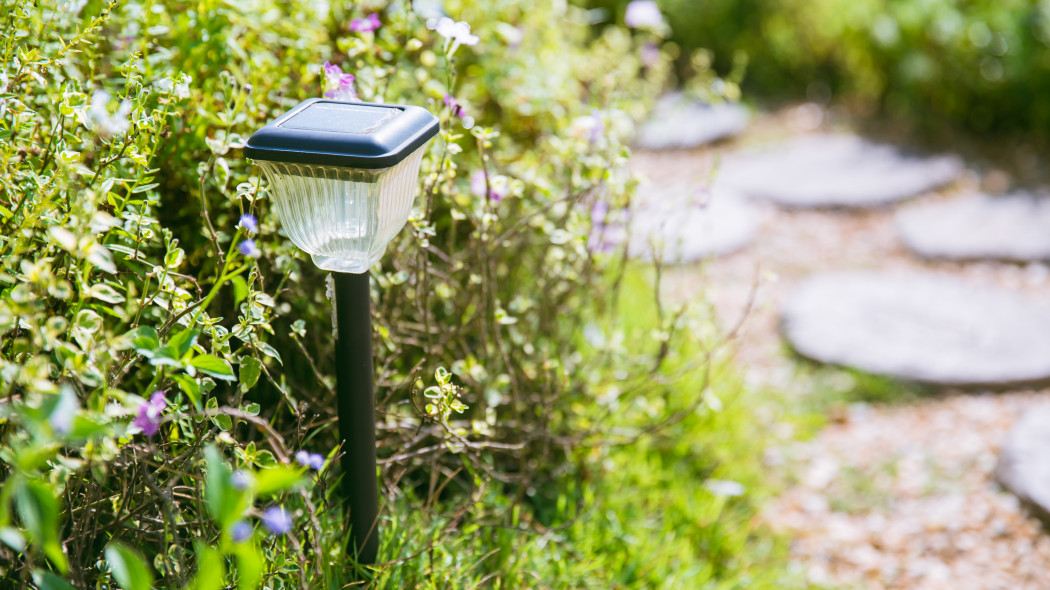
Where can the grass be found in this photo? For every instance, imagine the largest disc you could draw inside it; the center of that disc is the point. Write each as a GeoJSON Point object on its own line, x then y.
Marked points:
{"type": "Point", "coordinates": [644, 509]}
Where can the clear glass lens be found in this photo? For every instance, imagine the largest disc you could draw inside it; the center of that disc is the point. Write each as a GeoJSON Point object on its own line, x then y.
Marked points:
{"type": "Point", "coordinates": [343, 217]}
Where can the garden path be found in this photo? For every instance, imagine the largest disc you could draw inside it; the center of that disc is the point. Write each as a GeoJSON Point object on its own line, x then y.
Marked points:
{"type": "Point", "coordinates": [895, 495]}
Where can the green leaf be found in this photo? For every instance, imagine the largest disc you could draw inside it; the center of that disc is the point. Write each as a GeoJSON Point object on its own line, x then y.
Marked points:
{"type": "Point", "coordinates": [240, 289]}
{"type": "Point", "coordinates": [13, 538]}
{"type": "Point", "coordinates": [84, 427]}
{"type": "Point", "coordinates": [104, 292]}
{"type": "Point", "coordinates": [189, 386]}
{"type": "Point", "coordinates": [49, 581]}
{"type": "Point", "coordinates": [211, 571]}
{"type": "Point", "coordinates": [224, 422]}
{"type": "Point", "coordinates": [249, 370]}
{"type": "Point", "coordinates": [213, 366]}
{"type": "Point", "coordinates": [278, 479]}
{"type": "Point", "coordinates": [442, 375]}
{"type": "Point", "coordinates": [182, 342]}
{"type": "Point", "coordinates": [269, 351]}
{"type": "Point", "coordinates": [128, 568]}
{"type": "Point", "coordinates": [249, 566]}
{"type": "Point", "coordinates": [145, 340]}
{"type": "Point", "coordinates": [39, 511]}
{"type": "Point", "coordinates": [225, 503]}
{"type": "Point", "coordinates": [173, 259]}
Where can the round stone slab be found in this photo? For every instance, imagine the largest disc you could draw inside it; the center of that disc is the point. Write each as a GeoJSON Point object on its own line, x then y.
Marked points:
{"type": "Point", "coordinates": [1014, 228]}
{"type": "Point", "coordinates": [679, 230]}
{"type": "Point", "coordinates": [1023, 468]}
{"type": "Point", "coordinates": [836, 171]}
{"type": "Point", "coordinates": [679, 123]}
{"type": "Point", "coordinates": [930, 329]}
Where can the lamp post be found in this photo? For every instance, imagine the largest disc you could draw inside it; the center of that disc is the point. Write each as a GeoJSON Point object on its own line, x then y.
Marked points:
{"type": "Point", "coordinates": [343, 176]}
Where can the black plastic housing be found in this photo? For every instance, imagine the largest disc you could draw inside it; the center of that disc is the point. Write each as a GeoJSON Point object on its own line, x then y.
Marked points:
{"type": "Point", "coordinates": [363, 135]}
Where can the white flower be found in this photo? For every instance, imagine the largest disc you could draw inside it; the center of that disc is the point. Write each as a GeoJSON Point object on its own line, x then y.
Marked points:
{"type": "Point", "coordinates": [182, 86]}
{"type": "Point", "coordinates": [643, 14]}
{"type": "Point", "coordinates": [457, 33]}
{"type": "Point", "coordinates": [164, 85]}
{"type": "Point", "coordinates": [722, 487]}
{"type": "Point", "coordinates": [3, 82]}
{"type": "Point", "coordinates": [179, 89]}
{"type": "Point", "coordinates": [72, 7]}
{"type": "Point", "coordinates": [104, 123]}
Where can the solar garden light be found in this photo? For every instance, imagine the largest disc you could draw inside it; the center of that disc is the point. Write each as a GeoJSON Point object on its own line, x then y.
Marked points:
{"type": "Point", "coordinates": [343, 176]}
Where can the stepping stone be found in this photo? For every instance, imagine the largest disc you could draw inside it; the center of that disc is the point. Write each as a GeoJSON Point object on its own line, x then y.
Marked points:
{"type": "Point", "coordinates": [680, 123]}
{"type": "Point", "coordinates": [679, 230]}
{"type": "Point", "coordinates": [929, 329]}
{"type": "Point", "coordinates": [1013, 228]}
{"type": "Point", "coordinates": [836, 171]}
{"type": "Point", "coordinates": [1024, 468]}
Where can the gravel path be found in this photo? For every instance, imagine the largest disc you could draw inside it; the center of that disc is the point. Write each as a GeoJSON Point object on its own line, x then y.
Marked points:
{"type": "Point", "coordinates": [896, 496]}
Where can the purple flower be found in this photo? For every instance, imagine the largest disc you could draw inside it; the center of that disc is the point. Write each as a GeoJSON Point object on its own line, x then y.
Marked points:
{"type": "Point", "coordinates": [365, 25]}
{"type": "Point", "coordinates": [650, 54]}
{"type": "Point", "coordinates": [277, 520]}
{"type": "Point", "coordinates": [65, 412]}
{"type": "Point", "coordinates": [454, 107]}
{"type": "Point", "coordinates": [498, 186]}
{"type": "Point", "coordinates": [148, 418]}
{"type": "Point", "coordinates": [240, 480]}
{"type": "Point", "coordinates": [314, 461]}
{"type": "Point", "coordinates": [338, 86]}
{"type": "Point", "coordinates": [249, 223]}
{"type": "Point", "coordinates": [249, 249]}
{"type": "Point", "coordinates": [457, 110]}
{"type": "Point", "coordinates": [125, 41]}
{"type": "Point", "coordinates": [241, 531]}
{"type": "Point", "coordinates": [643, 14]}
{"type": "Point", "coordinates": [599, 212]}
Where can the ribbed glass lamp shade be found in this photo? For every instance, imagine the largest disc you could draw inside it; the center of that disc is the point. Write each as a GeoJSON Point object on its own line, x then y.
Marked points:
{"type": "Point", "coordinates": [343, 218]}
{"type": "Point", "coordinates": [343, 176]}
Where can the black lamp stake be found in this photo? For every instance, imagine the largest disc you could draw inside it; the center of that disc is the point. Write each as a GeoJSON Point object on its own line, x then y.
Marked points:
{"type": "Point", "coordinates": [342, 177]}
{"type": "Point", "coordinates": [355, 399]}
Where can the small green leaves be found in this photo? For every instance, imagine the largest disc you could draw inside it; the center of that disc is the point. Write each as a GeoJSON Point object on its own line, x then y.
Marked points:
{"type": "Point", "coordinates": [178, 352]}
{"type": "Point", "coordinates": [180, 344]}
{"type": "Point", "coordinates": [211, 571]}
{"type": "Point", "coordinates": [130, 572]}
{"type": "Point", "coordinates": [38, 509]}
{"type": "Point", "coordinates": [444, 397]}
{"type": "Point", "coordinates": [145, 340]}
{"type": "Point", "coordinates": [189, 386]}
{"type": "Point", "coordinates": [213, 366]}
{"type": "Point", "coordinates": [276, 479]}
{"type": "Point", "coordinates": [225, 502]}
{"type": "Point", "coordinates": [249, 373]}
{"type": "Point", "coordinates": [13, 538]}
{"type": "Point", "coordinates": [106, 293]}
{"type": "Point", "coordinates": [49, 581]}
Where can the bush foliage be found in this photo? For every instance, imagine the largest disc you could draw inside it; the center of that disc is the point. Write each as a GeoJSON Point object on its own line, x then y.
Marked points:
{"type": "Point", "coordinates": [166, 408]}
{"type": "Point", "coordinates": [977, 64]}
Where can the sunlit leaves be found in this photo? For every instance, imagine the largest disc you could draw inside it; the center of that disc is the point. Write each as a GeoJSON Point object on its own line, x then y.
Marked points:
{"type": "Point", "coordinates": [128, 568]}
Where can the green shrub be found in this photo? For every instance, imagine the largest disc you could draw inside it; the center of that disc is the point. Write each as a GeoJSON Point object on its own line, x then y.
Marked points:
{"type": "Point", "coordinates": [978, 64]}
{"type": "Point", "coordinates": [159, 374]}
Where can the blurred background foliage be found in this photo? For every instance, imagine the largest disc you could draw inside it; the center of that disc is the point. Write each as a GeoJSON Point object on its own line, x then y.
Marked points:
{"type": "Point", "coordinates": [980, 65]}
{"type": "Point", "coordinates": [166, 411]}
